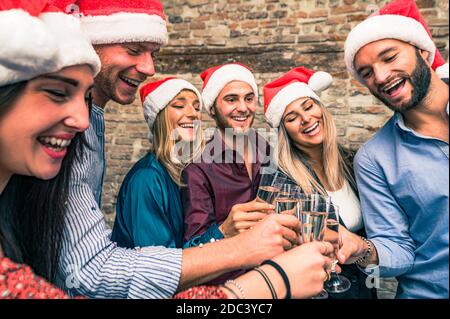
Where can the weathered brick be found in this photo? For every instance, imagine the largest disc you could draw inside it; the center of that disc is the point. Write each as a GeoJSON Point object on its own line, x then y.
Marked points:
{"type": "Point", "coordinates": [336, 20]}
{"type": "Point", "coordinates": [197, 25]}
{"type": "Point", "coordinates": [196, 3]}
{"type": "Point", "coordinates": [311, 38]}
{"type": "Point", "coordinates": [318, 14]}
{"type": "Point", "coordinates": [216, 42]}
{"type": "Point", "coordinates": [426, 3]}
{"type": "Point", "coordinates": [270, 48]}
{"type": "Point", "coordinates": [278, 14]}
{"type": "Point", "coordinates": [287, 22]}
{"type": "Point", "coordinates": [299, 15]}
{"type": "Point", "coordinates": [235, 34]}
{"type": "Point", "coordinates": [175, 19]}
{"type": "Point", "coordinates": [249, 25]}
{"type": "Point", "coordinates": [257, 15]}
{"type": "Point", "coordinates": [268, 24]}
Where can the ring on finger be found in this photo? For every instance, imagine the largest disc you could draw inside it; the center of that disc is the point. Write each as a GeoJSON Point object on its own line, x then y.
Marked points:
{"type": "Point", "coordinates": [328, 277]}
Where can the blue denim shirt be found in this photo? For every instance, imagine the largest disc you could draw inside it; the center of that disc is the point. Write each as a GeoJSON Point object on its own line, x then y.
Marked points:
{"type": "Point", "coordinates": [403, 181]}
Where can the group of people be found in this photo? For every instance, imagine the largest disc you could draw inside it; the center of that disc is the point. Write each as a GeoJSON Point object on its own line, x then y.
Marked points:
{"type": "Point", "coordinates": [188, 224]}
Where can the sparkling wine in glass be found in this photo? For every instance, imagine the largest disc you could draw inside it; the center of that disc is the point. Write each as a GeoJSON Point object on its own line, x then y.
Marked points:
{"type": "Point", "coordinates": [286, 205]}
{"type": "Point", "coordinates": [337, 283]}
{"type": "Point", "coordinates": [267, 193]}
{"type": "Point", "coordinates": [313, 226]}
{"type": "Point", "coordinates": [313, 220]}
{"type": "Point", "coordinates": [269, 185]}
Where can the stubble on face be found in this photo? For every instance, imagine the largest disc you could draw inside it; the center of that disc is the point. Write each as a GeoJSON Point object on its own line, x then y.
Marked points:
{"type": "Point", "coordinates": [223, 123]}
{"type": "Point", "coordinates": [419, 79]}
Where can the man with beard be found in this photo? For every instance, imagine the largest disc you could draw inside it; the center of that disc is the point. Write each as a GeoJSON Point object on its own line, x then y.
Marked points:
{"type": "Point", "coordinates": [126, 34]}
{"type": "Point", "coordinates": [403, 171]}
{"type": "Point", "coordinates": [218, 201]}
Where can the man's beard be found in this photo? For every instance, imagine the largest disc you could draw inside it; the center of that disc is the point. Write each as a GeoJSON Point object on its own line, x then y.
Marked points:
{"type": "Point", "coordinates": [420, 81]}
{"type": "Point", "coordinates": [223, 123]}
{"type": "Point", "coordinates": [106, 81]}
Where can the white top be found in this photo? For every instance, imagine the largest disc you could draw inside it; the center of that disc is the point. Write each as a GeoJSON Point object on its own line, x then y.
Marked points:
{"type": "Point", "coordinates": [349, 207]}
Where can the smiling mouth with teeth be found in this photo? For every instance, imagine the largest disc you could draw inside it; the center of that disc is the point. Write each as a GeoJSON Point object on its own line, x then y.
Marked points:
{"type": "Point", "coordinates": [393, 87]}
{"type": "Point", "coordinates": [56, 144]}
{"type": "Point", "coordinates": [187, 125]}
{"type": "Point", "coordinates": [312, 128]}
{"type": "Point", "coordinates": [240, 118]}
{"type": "Point", "coordinates": [131, 82]}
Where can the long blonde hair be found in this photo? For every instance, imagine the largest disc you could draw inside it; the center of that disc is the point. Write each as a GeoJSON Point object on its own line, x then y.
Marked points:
{"type": "Point", "coordinates": [290, 161]}
{"type": "Point", "coordinates": [163, 146]}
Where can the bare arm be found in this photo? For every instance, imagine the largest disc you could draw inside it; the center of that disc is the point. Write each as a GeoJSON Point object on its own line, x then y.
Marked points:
{"type": "Point", "coordinates": [305, 267]}
{"type": "Point", "coordinates": [271, 237]}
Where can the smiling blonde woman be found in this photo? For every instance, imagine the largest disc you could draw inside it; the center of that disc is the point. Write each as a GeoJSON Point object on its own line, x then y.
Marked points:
{"type": "Point", "coordinates": [149, 211]}
{"type": "Point", "coordinates": [309, 153]}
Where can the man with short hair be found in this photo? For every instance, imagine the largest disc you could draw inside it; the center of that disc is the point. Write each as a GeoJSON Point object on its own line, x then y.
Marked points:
{"type": "Point", "coordinates": [403, 171]}
{"type": "Point", "coordinates": [219, 200]}
{"type": "Point", "coordinates": [125, 35]}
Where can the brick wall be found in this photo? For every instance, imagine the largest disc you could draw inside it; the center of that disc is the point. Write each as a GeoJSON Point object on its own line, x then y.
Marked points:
{"type": "Point", "coordinates": [271, 36]}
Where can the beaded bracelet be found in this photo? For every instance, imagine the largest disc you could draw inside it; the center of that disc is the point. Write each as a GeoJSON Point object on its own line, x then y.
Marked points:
{"type": "Point", "coordinates": [231, 291]}
{"type": "Point", "coordinates": [367, 254]}
{"type": "Point", "coordinates": [238, 286]}
{"type": "Point", "coordinates": [268, 282]}
{"type": "Point", "coordinates": [282, 274]}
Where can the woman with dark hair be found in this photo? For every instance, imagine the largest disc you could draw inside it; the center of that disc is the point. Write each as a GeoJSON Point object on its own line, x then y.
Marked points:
{"type": "Point", "coordinates": [45, 90]}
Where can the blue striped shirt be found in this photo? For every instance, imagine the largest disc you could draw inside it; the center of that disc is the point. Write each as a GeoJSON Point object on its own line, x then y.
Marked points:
{"type": "Point", "coordinates": [91, 264]}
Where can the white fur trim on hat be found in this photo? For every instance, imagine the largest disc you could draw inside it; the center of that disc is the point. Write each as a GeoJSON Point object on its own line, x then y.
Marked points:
{"type": "Point", "coordinates": [386, 27]}
{"type": "Point", "coordinates": [157, 100]}
{"type": "Point", "coordinates": [320, 81]}
{"type": "Point", "coordinates": [125, 27]}
{"type": "Point", "coordinates": [26, 47]}
{"type": "Point", "coordinates": [283, 98]}
{"type": "Point", "coordinates": [442, 71]}
{"type": "Point", "coordinates": [221, 77]}
{"type": "Point", "coordinates": [74, 47]}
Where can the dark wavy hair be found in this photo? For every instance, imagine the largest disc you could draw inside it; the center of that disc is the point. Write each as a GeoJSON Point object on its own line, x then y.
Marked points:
{"type": "Point", "coordinates": [32, 211]}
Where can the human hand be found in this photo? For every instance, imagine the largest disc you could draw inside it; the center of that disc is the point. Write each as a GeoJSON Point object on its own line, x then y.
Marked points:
{"type": "Point", "coordinates": [306, 267]}
{"type": "Point", "coordinates": [243, 217]}
{"type": "Point", "coordinates": [353, 247]}
{"type": "Point", "coordinates": [268, 238]}
{"type": "Point", "coordinates": [332, 237]}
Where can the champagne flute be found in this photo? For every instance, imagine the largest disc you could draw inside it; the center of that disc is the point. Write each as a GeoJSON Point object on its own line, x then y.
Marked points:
{"type": "Point", "coordinates": [269, 185]}
{"type": "Point", "coordinates": [337, 284]}
{"type": "Point", "coordinates": [313, 217]}
{"type": "Point", "coordinates": [286, 202]}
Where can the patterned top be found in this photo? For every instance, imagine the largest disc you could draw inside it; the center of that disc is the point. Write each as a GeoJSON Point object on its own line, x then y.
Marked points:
{"type": "Point", "coordinates": [202, 292]}
{"type": "Point", "coordinates": [19, 282]}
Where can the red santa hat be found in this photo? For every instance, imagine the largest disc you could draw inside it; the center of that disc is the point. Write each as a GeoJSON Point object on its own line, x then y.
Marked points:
{"type": "Point", "coordinates": [40, 40]}
{"type": "Point", "coordinates": [293, 85]}
{"type": "Point", "coordinates": [216, 78]}
{"type": "Point", "coordinates": [155, 96]}
{"type": "Point", "coordinates": [399, 20]}
{"type": "Point", "coordinates": [121, 21]}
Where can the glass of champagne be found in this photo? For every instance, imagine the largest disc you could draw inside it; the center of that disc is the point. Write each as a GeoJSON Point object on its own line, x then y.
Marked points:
{"type": "Point", "coordinates": [286, 201]}
{"type": "Point", "coordinates": [269, 185]}
{"type": "Point", "coordinates": [313, 213]}
{"type": "Point", "coordinates": [337, 284]}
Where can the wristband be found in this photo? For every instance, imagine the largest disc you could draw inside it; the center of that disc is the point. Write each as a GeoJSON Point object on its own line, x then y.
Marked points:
{"type": "Point", "coordinates": [367, 254]}
{"type": "Point", "coordinates": [268, 282]}
{"type": "Point", "coordinates": [282, 274]}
